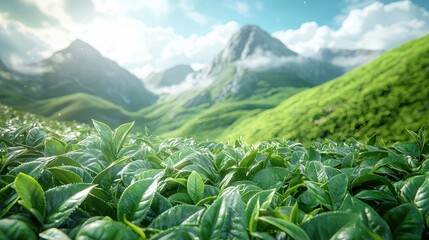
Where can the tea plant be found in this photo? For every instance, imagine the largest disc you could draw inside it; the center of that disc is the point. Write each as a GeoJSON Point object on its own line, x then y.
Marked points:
{"type": "Point", "coordinates": [113, 185]}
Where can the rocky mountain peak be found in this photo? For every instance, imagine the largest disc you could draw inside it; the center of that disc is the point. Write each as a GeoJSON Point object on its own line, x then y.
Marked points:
{"type": "Point", "coordinates": [250, 40]}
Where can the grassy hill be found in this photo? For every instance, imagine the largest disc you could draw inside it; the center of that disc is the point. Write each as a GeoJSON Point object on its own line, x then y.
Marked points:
{"type": "Point", "coordinates": [208, 123]}
{"type": "Point", "coordinates": [384, 97]}
{"type": "Point", "coordinates": [81, 107]}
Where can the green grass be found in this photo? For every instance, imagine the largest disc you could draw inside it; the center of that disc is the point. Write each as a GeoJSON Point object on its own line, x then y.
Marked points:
{"type": "Point", "coordinates": [384, 97]}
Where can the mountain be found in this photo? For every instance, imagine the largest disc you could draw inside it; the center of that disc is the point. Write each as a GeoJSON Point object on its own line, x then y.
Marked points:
{"type": "Point", "coordinates": [254, 72]}
{"type": "Point", "coordinates": [3, 66]}
{"type": "Point", "coordinates": [81, 68]}
{"type": "Point", "coordinates": [347, 58]}
{"type": "Point", "coordinates": [169, 77]}
{"type": "Point", "coordinates": [76, 83]}
{"type": "Point", "coordinates": [250, 40]}
{"type": "Point", "coordinates": [254, 62]}
{"type": "Point", "coordinates": [383, 97]}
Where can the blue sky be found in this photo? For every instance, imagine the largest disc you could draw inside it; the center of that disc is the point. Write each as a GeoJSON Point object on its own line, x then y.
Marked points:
{"type": "Point", "coordinates": [271, 15]}
{"type": "Point", "coordinates": [151, 35]}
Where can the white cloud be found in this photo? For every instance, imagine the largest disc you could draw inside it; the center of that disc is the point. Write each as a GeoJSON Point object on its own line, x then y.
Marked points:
{"type": "Point", "coordinates": [262, 60]}
{"type": "Point", "coordinates": [376, 26]}
{"type": "Point", "coordinates": [144, 71]}
{"type": "Point", "coordinates": [22, 66]}
{"type": "Point", "coordinates": [61, 58]}
{"type": "Point", "coordinates": [197, 66]}
{"type": "Point", "coordinates": [124, 39]}
{"type": "Point", "coordinates": [192, 82]}
{"type": "Point", "coordinates": [144, 49]}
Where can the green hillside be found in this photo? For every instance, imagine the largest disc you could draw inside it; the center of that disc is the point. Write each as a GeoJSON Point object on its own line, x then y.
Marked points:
{"type": "Point", "coordinates": [208, 123]}
{"type": "Point", "coordinates": [80, 107]}
{"type": "Point", "coordinates": [384, 97]}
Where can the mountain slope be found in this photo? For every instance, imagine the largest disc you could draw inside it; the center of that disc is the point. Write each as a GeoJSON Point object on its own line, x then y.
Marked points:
{"type": "Point", "coordinates": [81, 68]}
{"type": "Point", "coordinates": [384, 97]}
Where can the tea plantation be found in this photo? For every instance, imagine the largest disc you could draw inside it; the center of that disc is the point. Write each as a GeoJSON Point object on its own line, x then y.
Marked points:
{"type": "Point", "coordinates": [69, 181]}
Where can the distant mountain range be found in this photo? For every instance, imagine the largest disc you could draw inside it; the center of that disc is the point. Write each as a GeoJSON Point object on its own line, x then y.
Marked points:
{"type": "Point", "coordinates": [252, 51]}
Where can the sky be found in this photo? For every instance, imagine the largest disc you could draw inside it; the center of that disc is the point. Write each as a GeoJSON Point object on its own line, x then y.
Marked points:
{"type": "Point", "coordinates": [147, 35]}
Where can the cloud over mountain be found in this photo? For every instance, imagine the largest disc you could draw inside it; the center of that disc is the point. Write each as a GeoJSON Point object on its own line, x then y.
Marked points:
{"type": "Point", "coordinates": [376, 26]}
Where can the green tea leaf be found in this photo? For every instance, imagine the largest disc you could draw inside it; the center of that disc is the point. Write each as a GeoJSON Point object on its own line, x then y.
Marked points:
{"type": "Point", "coordinates": [373, 178]}
{"type": "Point", "coordinates": [120, 135]}
{"type": "Point", "coordinates": [104, 130]}
{"type": "Point", "coordinates": [54, 234]}
{"type": "Point", "coordinates": [410, 149]}
{"type": "Point", "coordinates": [313, 155]}
{"type": "Point", "coordinates": [410, 188]}
{"type": "Point", "coordinates": [34, 168]}
{"type": "Point", "coordinates": [325, 225]}
{"type": "Point", "coordinates": [195, 187]}
{"type": "Point", "coordinates": [63, 161]}
{"type": "Point", "coordinates": [295, 213]}
{"type": "Point", "coordinates": [319, 193]}
{"type": "Point", "coordinates": [368, 216]}
{"type": "Point", "coordinates": [337, 190]}
{"type": "Point", "coordinates": [347, 161]}
{"type": "Point", "coordinates": [405, 221]}
{"type": "Point", "coordinates": [270, 176]}
{"type": "Point", "coordinates": [106, 140]}
{"type": "Point", "coordinates": [106, 230]}
{"type": "Point", "coordinates": [136, 200]}
{"type": "Point", "coordinates": [100, 176]}
{"type": "Point", "coordinates": [183, 232]}
{"type": "Point", "coordinates": [289, 228]}
{"type": "Point", "coordinates": [248, 159]}
{"type": "Point", "coordinates": [35, 137]}
{"type": "Point", "coordinates": [355, 230]}
{"type": "Point", "coordinates": [32, 195]}
{"type": "Point", "coordinates": [53, 147]}
{"type": "Point", "coordinates": [377, 195]}
{"type": "Point", "coordinates": [173, 217]}
{"type": "Point", "coordinates": [264, 196]}
{"type": "Point", "coordinates": [315, 171]}
{"type": "Point", "coordinates": [15, 229]}
{"type": "Point", "coordinates": [62, 201]}
{"type": "Point", "coordinates": [224, 218]}
{"type": "Point", "coordinates": [422, 197]}
{"type": "Point", "coordinates": [254, 216]}
{"type": "Point", "coordinates": [64, 176]}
